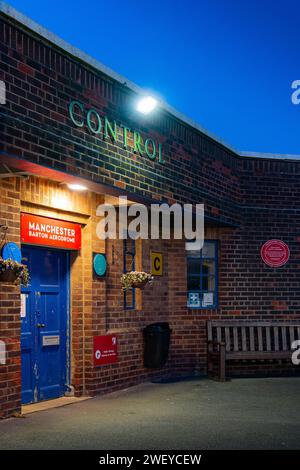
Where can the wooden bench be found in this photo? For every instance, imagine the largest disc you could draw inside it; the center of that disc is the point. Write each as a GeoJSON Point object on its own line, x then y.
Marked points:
{"type": "Point", "coordinates": [241, 340]}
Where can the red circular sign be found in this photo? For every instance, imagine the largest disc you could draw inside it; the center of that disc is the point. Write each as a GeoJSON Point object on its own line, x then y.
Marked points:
{"type": "Point", "coordinates": [275, 253]}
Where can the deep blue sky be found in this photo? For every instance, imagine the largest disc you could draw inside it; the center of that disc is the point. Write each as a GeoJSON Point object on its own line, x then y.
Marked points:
{"type": "Point", "coordinates": [228, 64]}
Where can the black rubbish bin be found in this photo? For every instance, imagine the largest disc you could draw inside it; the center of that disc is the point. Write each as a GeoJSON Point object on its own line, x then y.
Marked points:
{"type": "Point", "coordinates": [156, 344]}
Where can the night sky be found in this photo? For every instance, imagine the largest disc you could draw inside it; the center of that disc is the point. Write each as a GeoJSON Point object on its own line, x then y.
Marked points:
{"type": "Point", "coordinates": [227, 64]}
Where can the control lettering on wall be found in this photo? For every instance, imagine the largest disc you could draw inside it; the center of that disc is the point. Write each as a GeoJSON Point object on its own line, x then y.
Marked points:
{"type": "Point", "coordinates": [104, 128]}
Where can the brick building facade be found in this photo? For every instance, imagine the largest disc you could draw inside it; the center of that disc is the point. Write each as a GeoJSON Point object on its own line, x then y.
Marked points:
{"type": "Point", "coordinates": [248, 200]}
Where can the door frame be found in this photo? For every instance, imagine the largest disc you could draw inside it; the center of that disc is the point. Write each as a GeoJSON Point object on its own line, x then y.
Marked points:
{"type": "Point", "coordinates": [68, 354]}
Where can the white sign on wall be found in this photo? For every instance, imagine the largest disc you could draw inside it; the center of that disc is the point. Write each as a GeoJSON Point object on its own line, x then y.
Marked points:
{"type": "Point", "coordinates": [23, 305]}
{"type": "Point", "coordinates": [208, 299]}
{"type": "Point", "coordinates": [194, 299]}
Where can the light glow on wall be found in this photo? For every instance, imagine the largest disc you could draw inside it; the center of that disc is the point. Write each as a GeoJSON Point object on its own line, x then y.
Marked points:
{"type": "Point", "coordinates": [77, 187]}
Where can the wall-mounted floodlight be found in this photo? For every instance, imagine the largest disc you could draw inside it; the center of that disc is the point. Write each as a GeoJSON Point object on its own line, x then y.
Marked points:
{"type": "Point", "coordinates": [146, 104]}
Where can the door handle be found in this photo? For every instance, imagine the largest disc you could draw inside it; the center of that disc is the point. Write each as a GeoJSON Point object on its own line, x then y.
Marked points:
{"type": "Point", "coordinates": [40, 325]}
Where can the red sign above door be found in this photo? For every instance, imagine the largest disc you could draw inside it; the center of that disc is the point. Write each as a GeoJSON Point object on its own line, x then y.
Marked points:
{"type": "Point", "coordinates": [105, 350]}
{"type": "Point", "coordinates": [275, 253]}
{"type": "Point", "coordinates": [38, 230]}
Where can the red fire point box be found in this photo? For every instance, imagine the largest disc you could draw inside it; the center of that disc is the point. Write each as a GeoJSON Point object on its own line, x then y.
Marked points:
{"type": "Point", "coordinates": [105, 350]}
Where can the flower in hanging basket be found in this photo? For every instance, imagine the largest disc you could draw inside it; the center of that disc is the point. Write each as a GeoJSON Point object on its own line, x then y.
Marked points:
{"type": "Point", "coordinates": [136, 279]}
{"type": "Point", "coordinates": [12, 271]}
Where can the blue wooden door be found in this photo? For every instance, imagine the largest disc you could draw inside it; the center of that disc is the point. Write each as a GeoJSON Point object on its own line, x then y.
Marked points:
{"type": "Point", "coordinates": [44, 324]}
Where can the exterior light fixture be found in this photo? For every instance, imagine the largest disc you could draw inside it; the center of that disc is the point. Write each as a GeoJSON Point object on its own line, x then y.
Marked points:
{"type": "Point", "coordinates": [146, 104]}
{"type": "Point", "coordinates": [77, 187]}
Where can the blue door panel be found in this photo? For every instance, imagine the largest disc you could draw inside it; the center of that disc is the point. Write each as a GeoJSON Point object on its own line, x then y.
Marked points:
{"type": "Point", "coordinates": [44, 362]}
{"type": "Point", "coordinates": [27, 385]}
{"type": "Point", "coordinates": [27, 347]}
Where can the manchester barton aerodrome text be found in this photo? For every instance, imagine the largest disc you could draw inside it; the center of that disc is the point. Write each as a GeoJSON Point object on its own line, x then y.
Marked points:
{"type": "Point", "coordinates": [51, 232]}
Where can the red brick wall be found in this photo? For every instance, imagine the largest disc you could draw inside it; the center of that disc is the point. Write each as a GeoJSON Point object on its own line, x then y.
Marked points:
{"type": "Point", "coordinates": [10, 374]}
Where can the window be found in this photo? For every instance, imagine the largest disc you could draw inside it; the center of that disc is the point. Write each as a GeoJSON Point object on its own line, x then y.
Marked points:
{"type": "Point", "coordinates": [129, 265]}
{"type": "Point", "coordinates": [202, 275]}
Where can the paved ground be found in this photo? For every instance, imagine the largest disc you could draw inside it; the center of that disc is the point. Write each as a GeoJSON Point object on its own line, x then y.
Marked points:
{"type": "Point", "coordinates": [194, 414]}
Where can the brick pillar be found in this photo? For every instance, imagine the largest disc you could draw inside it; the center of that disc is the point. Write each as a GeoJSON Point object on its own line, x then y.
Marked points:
{"type": "Point", "coordinates": [10, 327]}
{"type": "Point", "coordinates": [77, 322]}
{"type": "Point", "coordinates": [90, 304]}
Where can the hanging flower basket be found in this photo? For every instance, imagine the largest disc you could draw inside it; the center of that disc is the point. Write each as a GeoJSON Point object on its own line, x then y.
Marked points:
{"type": "Point", "coordinates": [139, 284]}
{"type": "Point", "coordinates": [12, 271]}
{"type": "Point", "coordinates": [8, 276]}
{"type": "Point", "coordinates": [135, 279]}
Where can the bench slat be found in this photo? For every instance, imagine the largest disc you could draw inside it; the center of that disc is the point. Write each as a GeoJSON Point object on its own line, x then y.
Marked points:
{"type": "Point", "coordinates": [219, 335]}
{"type": "Point", "coordinates": [292, 335]}
{"type": "Point", "coordinates": [235, 339]}
{"type": "Point", "coordinates": [268, 338]}
{"type": "Point", "coordinates": [283, 335]}
{"type": "Point", "coordinates": [252, 342]}
{"type": "Point", "coordinates": [260, 338]}
{"type": "Point", "coordinates": [258, 355]}
{"type": "Point", "coordinates": [276, 340]}
{"type": "Point", "coordinates": [244, 339]}
{"type": "Point", "coordinates": [227, 339]}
